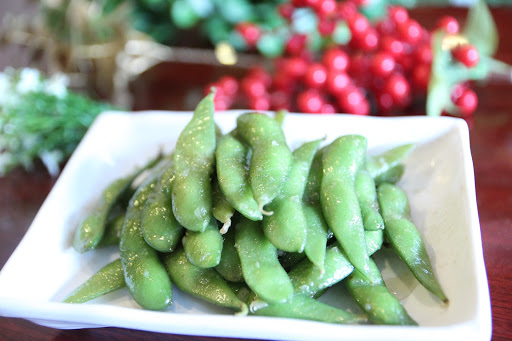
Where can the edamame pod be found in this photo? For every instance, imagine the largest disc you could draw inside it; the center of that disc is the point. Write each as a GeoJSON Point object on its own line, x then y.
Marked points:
{"type": "Point", "coordinates": [112, 233]}
{"type": "Point", "coordinates": [194, 164]}
{"type": "Point", "coordinates": [341, 161]}
{"type": "Point", "coordinates": [204, 249]}
{"type": "Point", "coordinates": [233, 176]}
{"type": "Point", "coordinates": [90, 232]}
{"type": "Point", "coordinates": [308, 279]}
{"type": "Point", "coordinates": [367, 197]}
{"type": "Point", "coordinates": [318, 230]}
{"type": "Point", "coordinates": [109, 278]}
{"type": "Point", "coordinates": [160, 228]}
{"type": "Point", "coordinates": [260, 266]}
{"type": "Point", "coordinates": [229, 266]}
{"type": "Point", "coordinates": [405, 238]}
{"type": "Point", "coordinates": [376, 300]}
{"type": "Point", "coordinates": [287, 228]}
{"type": "Point", "coordinates": [221, 209]}
{"type": "Point", "coordinates": [205, 284]}
{"type": "Point", "coordinates": [145, 276]}
{"type": "Point", "coordinates": [307, 308]}
{"type": "Point", "coordinates": [381, 163]}
{"type": "Point", "coordinates": [271, 158]}
{"type": "Point", "coordinates": [392, 175]}
{"type": "Point", "coordinates": [317, 235]}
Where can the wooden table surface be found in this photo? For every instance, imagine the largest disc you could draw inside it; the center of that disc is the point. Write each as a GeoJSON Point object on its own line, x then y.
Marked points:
{"type": "Point", "coordinates": [22, 193]}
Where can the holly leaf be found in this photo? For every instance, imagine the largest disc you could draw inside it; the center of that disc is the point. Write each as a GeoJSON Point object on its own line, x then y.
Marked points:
{"type": "Point", "coordinates": [480, 28]}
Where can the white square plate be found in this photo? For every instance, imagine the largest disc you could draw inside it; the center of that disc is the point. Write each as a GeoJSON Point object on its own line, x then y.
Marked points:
{"type": "Point", "coordinates": [438, 179]}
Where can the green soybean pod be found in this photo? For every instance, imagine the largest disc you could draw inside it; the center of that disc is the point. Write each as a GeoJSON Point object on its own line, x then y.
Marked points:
{"type": "Point", "coordinates": [392, 175]}
{"type": "Point", "coordinates": [318, 230]}
{"type": "Point", "coordinates": [108, 279]}
{"type": "Point", "coordinates": [271, 158]}
{"type": "Point", "coordinates": [112, 233]}
{"type": "Point", "coordinates": [233, 175]}
{"type": "Point", "coordinates": [145, 276]}
{"type": "Point", "coordinates": [307, 308]}
{"type": "Point", "coordinates": [194, 157]}
{"type": "Point", "coordinates": [205, 284]}
{"type": "Point", "coordinates": [90, 232]}
{"type": "Point", "coordinates": [229, 266]}
{"type": "Point", "coordinates": [260, 266]}
{"type": "Point", "coordinates": [367, 196]}
{"type": "Point", "coordinates": [221, 209]}
{"type": "Point", "coordinates": [383, 162]}
{"type": "Point", "coordinates": [341, 161]}
{"type": "Point", "coordinates": [160, 228]}
{"type": "Point", "coordinates": [405, 238]}
{"type": "Point", "coordinates": [308, 279]}
{"type": "Point", "coordinates": [287, 228]}
{"type": "Point", "coordinates": [204, 249]}
{"type": "Point", "coordinates": [376, 300]}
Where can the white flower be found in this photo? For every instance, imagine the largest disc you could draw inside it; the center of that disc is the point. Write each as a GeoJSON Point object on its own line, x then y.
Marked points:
{"type": "Point", "coordinates": [57, 85]}
{"type": "Point", "coordinates": [30, 80]}
{"type": "Point", "coordinates": [51, 160]}
{"type": "Point", "coordinates": [6, 161]}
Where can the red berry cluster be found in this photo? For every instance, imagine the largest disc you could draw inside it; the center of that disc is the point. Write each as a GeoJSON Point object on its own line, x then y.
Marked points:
{"type": "Point", "coordinates": [378, 71]}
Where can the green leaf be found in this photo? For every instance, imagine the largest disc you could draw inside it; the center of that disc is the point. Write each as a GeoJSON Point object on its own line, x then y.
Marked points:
{"type": "Point", "coordinates": [480, 29]}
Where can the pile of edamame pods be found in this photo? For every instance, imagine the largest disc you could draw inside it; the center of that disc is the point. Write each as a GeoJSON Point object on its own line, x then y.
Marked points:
{"type": "Point", "coordinates": [241, 221]}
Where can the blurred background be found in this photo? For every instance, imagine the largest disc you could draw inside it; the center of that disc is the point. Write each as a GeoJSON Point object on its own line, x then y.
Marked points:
{"type": "Point", "coordinates": [366, 57]}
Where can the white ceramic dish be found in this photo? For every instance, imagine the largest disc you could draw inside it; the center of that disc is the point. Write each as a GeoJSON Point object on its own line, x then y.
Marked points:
{"type": "Point", "coordinates": [438, 179]}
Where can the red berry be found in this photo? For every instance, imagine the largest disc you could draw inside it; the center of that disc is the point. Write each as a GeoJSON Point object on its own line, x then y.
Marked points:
{"type": "Point", "coordinates": [369, 42]}
{"type": "Point", "coordinates": [423, 53]}
{"type": "Point", "coordinates": [295, 45]}
{"type": "Point", "coordinates": [382, 64]}
{"type": "Point", "coordinates": [398, 88]}
{"type": "Point", "coordinates": [326, 26]}
{"type": "Point", "coordinates": [398, 14]}
{"type": "Point", "coordinates": [326, 8]}
{"type": "Point", "coordinates": [253, 87]}
{"type": "Point", "coordinates": [457, 91]}
{"type": "Point", "coordinates": [260, 103]}
{"type": "Point", "coordinates": [298, 3]}
{"type": "Point", "coordinates": [260, 73]}
{"type": "Point", "coordinates": [315, 76]}
{"type": "Point", "coordinates": [392, 45]}
{"type": "Point", "coordinates": [353, 101]}
{"type": "Point", "coordinates": [283, 82]}
{"type": "Point", "coordinates": [358, 25]}
{"type": "Point", "coordinates": [346, 10]}
{"type": "Point", "coordinates": [328, 108]}
{"type": "Point", "coordinates": [310, 101]}
{"type": "Point", "coordinates": [294, 67]}
{"type": "Point", "coordinates": [286, 10]}
{"type": "Point", "coordinates": [421, 77]}
{"type": "Point", "coordinates": [449, 24]}
{"type": "Point", "coordinates": [410, 31]}
{"type": "Point", "coordinates": [467, 102]}
{"type": "Point", "coordinates": [466, 54]}
{"type": "Point", "coordinates": [335, 59]}
{"type": "Point", "coordinates": [337, 82]}
{"type": "Point", "coordinates": [311, 3]}
{"type": "Point", "coordinates": [279, 100]}
{"type": "Point", "coordinates": [359, 65]}
{"type": "Point", "coordinates": [229, 85]}
{"type": "Point", "coordinates": [384, 102]}
{"type": "Point", "coordinates": [385, 27]}
{"type": "Point", "coordinates": [250, 32]}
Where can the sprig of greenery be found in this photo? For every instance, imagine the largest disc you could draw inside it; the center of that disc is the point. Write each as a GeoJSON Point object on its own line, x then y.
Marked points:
{"type": "Point", "coordinates": [41, 119]}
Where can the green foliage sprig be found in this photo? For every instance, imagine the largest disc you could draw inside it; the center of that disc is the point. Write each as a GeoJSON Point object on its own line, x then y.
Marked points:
{"type": "Point", "coordinates": [41, 119]}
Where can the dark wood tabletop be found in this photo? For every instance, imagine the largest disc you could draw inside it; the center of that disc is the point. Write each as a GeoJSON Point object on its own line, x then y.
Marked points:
{"type": "Point", "coordinates": [22, 193]}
